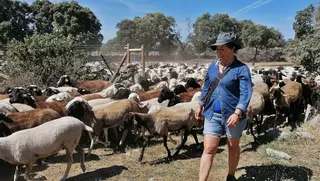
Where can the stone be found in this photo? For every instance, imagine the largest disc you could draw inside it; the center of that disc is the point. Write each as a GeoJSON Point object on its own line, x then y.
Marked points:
{"type": "Point", "coordinates": [278, 154]}
{"type": "Point", "coordinates": [284, 136]}
{"type": "Point", "coordinates": [306, 135]}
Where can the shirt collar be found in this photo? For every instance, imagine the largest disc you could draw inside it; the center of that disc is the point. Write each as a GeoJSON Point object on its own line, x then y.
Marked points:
{"type": "Point", "coordinates": [217, 63]}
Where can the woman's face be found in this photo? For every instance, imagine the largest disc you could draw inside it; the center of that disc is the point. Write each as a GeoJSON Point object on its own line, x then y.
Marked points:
{"type": "Point", "coordinates": [224, 53]}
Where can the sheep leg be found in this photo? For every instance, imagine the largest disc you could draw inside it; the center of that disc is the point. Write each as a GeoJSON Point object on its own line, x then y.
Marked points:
{"type": "Point", "coordinates": [172, 140]}
{"type": "Point", "coordinates": [16, 173]}
{"type": "Point", "coordinates": [116, 133]}
{"type": "Point", "coordinates": [93, 140]}
{"type": "Point", "coordinates": [185, 137]}
{"type": "Point", "coordinates": [276, 119]}
{"type": "Point", "coordinates": [70, 161]}
{"type": "Point", "coordinates": [252, 133]}
{"type": "Point", "coordinates": [81, 152]}
{"type": "Point", "coordinates": [124, 135]}
{"type": "Point", "coordinates": [166, 146]}
{"type": "Point", "coordinates": [28, 171]}
{"type": "Point", "coordinates": [195, 138]}
{"type": "Point", "coordinates": [146, 141]}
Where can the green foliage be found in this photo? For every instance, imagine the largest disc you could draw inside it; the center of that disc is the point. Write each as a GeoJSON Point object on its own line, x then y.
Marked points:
{"type": "Point", "coordinates": [303, 24]}
{"type": "Point", "coordinates": [47, 56]}
{"type": "Point", "coordinates": [305, 48]}
{"type": "Point", "coordinates": [42, 15]}
{"type": "Point", "coordinates": [155, 32]}
{"type": "Point", "coordinates": [307, 52]}
{"type": "Point", "coordinates": [69, 18]}
{"type": "Point", "coordinates": [112, 47]}
{"type": "Point", "coordinates": [14, 20]}
{"type": "Point", "coordinates": [18, 19]}
{"type": "Point", "coordinates": [207, 28]}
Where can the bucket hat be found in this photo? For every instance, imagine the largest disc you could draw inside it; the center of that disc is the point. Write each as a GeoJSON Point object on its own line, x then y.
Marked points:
{"type": "Point", "coordinates": [224, 38]}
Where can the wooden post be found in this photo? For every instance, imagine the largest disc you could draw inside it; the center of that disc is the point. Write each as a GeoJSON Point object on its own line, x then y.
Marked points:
{"type": "Point", "coordinates": [128, 52]}
{"type": "Point", "coordinates": [142, 57]}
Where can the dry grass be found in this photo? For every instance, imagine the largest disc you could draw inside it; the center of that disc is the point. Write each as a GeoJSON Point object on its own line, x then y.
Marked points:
{"type": "Point", "coordinates": [254, 163]}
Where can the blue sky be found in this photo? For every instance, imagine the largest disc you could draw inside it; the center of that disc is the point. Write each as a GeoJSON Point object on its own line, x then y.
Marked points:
{"type": "Point", "coordinates": [273, 13]}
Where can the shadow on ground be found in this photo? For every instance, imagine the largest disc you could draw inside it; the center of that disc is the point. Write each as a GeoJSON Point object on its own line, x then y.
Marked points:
{"type": "Point", "coordinates": [275, 172]}
{"type": "Point", "coordinates": [188, 152]}
{"type": "Point", "coordinates": [76, 158]}
{"type": "Point", "coordinates": [100, 174]}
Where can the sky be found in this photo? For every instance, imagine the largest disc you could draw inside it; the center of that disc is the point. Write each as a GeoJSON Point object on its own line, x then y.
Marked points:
{"type": "Point", "coordinates": [272, 13]}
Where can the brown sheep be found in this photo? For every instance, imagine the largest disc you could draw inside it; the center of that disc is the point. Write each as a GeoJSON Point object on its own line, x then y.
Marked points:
{"type": "Point", "coordinates": [149, 94]}
{"type": "Point", "coordinates": [287, 99]}
{"type": "Point", "coordinates": [263, 89]}
{"type": "Point", "coordinates": [93, 96]}
{"type": "Point", "coordinates": [93, 86]}
{"type": "Point", "coordinates": [112, 116]}
{"type": "Point", "coordinates": [29, 119]}
{"type": "Point", "coordinates": [3, 96]}
{"type": "Point", "coordinates": [163, 121]}
{"type": "Point", "coordinates": [18, 97]}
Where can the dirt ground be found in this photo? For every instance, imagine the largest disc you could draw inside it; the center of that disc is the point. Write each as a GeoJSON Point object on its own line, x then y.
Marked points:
{"type": "Point", "coordinates": [254, 164]}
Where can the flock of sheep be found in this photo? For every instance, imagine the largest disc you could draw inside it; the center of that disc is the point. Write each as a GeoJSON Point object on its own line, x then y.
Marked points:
{"type": "Point", "coordinates": [38, 123]}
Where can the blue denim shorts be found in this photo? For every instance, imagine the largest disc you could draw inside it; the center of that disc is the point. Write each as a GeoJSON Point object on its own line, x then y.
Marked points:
{"type": "Point", "coordinates": [216, 126]}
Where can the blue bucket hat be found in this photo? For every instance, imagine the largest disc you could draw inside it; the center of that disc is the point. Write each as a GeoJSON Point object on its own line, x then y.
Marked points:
{"type": "Point", "coordinates": [224, 38]}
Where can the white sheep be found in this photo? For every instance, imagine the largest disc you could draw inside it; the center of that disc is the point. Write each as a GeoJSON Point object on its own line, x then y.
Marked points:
{"type": "Point", "coordinates": [22, 107]}
{"type": "Point", "coordinates": [136, 88]}
{"type": "Point", "coordinates": [255, 109]}
{"type": "Point", "coordinates": [111, 90]}
{"type": "Point", "coordinates": [173, 83]}
{"type": "Point", "coordinates": [96, 102]}
{"type": "Point", "coordinates": [60, 97]}
{"type": "Point", "coordinates": [26, 146]}
{"type": "Point", "coordinates": [6, 108]}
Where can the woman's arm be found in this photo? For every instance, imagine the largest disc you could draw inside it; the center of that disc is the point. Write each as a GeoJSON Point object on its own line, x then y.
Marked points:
{"type": "Point", "coordinates": [245, 90]}
{"type": "Point", "coordinates": [206, 86]}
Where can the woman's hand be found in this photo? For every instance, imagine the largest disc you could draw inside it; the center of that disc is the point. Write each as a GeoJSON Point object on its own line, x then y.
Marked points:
{"type": "Point", "coordinates": [198, 112]}
{"type": "Point", "coordinates": [233, 120]}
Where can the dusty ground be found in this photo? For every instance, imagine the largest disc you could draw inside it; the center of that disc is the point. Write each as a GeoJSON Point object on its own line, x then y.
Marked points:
{"type": "Point", "coordinates": [254, 165]}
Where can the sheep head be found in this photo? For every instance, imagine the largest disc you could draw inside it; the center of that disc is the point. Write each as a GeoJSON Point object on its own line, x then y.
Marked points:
{"type": "Point", "coordinates": [50, 91]}
{"type": "Point", "coordinates": [165, 94]}
{"type": "Point", "coordinates": [18, 96]}
{"type": "Point", "coordinates": [66, 80]}
{"type": "Point", "coordinates": [34, 90]}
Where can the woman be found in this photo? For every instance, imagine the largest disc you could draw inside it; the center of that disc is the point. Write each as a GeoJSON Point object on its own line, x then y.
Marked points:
{"type": "Point", "coordinates": [226, 106]}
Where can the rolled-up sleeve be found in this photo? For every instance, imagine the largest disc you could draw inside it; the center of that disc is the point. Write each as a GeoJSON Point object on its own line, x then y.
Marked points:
{"type": "Point", "coordinates": [245, 89]}
{"type": "Point", "coordinates": [206, 86]}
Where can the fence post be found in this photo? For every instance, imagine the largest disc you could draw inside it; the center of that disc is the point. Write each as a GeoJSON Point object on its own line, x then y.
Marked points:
{"type": "Point", "coordinates": [142, 57]}
{"type": "Point", "coordinates": [128, 52]}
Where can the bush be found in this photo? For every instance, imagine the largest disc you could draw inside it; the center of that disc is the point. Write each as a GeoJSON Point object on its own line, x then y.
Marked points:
{"type": "Point", "coordinates": [46, 57]}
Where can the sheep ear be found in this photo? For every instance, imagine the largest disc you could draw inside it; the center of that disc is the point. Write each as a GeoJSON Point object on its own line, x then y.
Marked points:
{"type": "Point", "coordinates": [141, 105]}
{"type": "Point", "coordinates": [4, 118]}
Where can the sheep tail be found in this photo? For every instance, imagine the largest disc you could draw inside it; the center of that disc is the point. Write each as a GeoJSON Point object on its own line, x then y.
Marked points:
{"type": "Point", "coordinates": [88, 128]}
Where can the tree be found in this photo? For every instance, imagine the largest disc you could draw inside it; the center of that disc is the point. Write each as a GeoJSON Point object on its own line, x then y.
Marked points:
{"type": "Point", "coordinates": [14, 20]}
{"type": "Point", "coordinates": [47, 56]}
{"type": "Point", "coordinates": [259, 36]}
{"type": "Point", "coordinates": [308, 52]}
{"type": "Point", "coordinates": [207, 28]}
{"type": "Point", "coordinates": [127, 33]}
{"type": "Point", "coordinates": [180, 43]}
{"type": "Point", "coordinates": [42, 14]}
{"type": "Point", "coordinates": [67, 18]}
{"type": "Point", "coordinates": [155, 32]}
{"type": "Point", "coordinates": [303, 24]}
{"type": "Point", "coordinates": [112, 47]}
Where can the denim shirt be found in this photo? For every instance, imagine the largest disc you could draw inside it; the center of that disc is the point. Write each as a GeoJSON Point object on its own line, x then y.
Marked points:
{"type": "Point", "coordinates": [234, 90]}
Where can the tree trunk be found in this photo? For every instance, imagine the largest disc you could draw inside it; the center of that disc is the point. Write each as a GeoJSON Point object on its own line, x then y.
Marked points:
{"type": "Point", "coordinates": [255, 54]}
